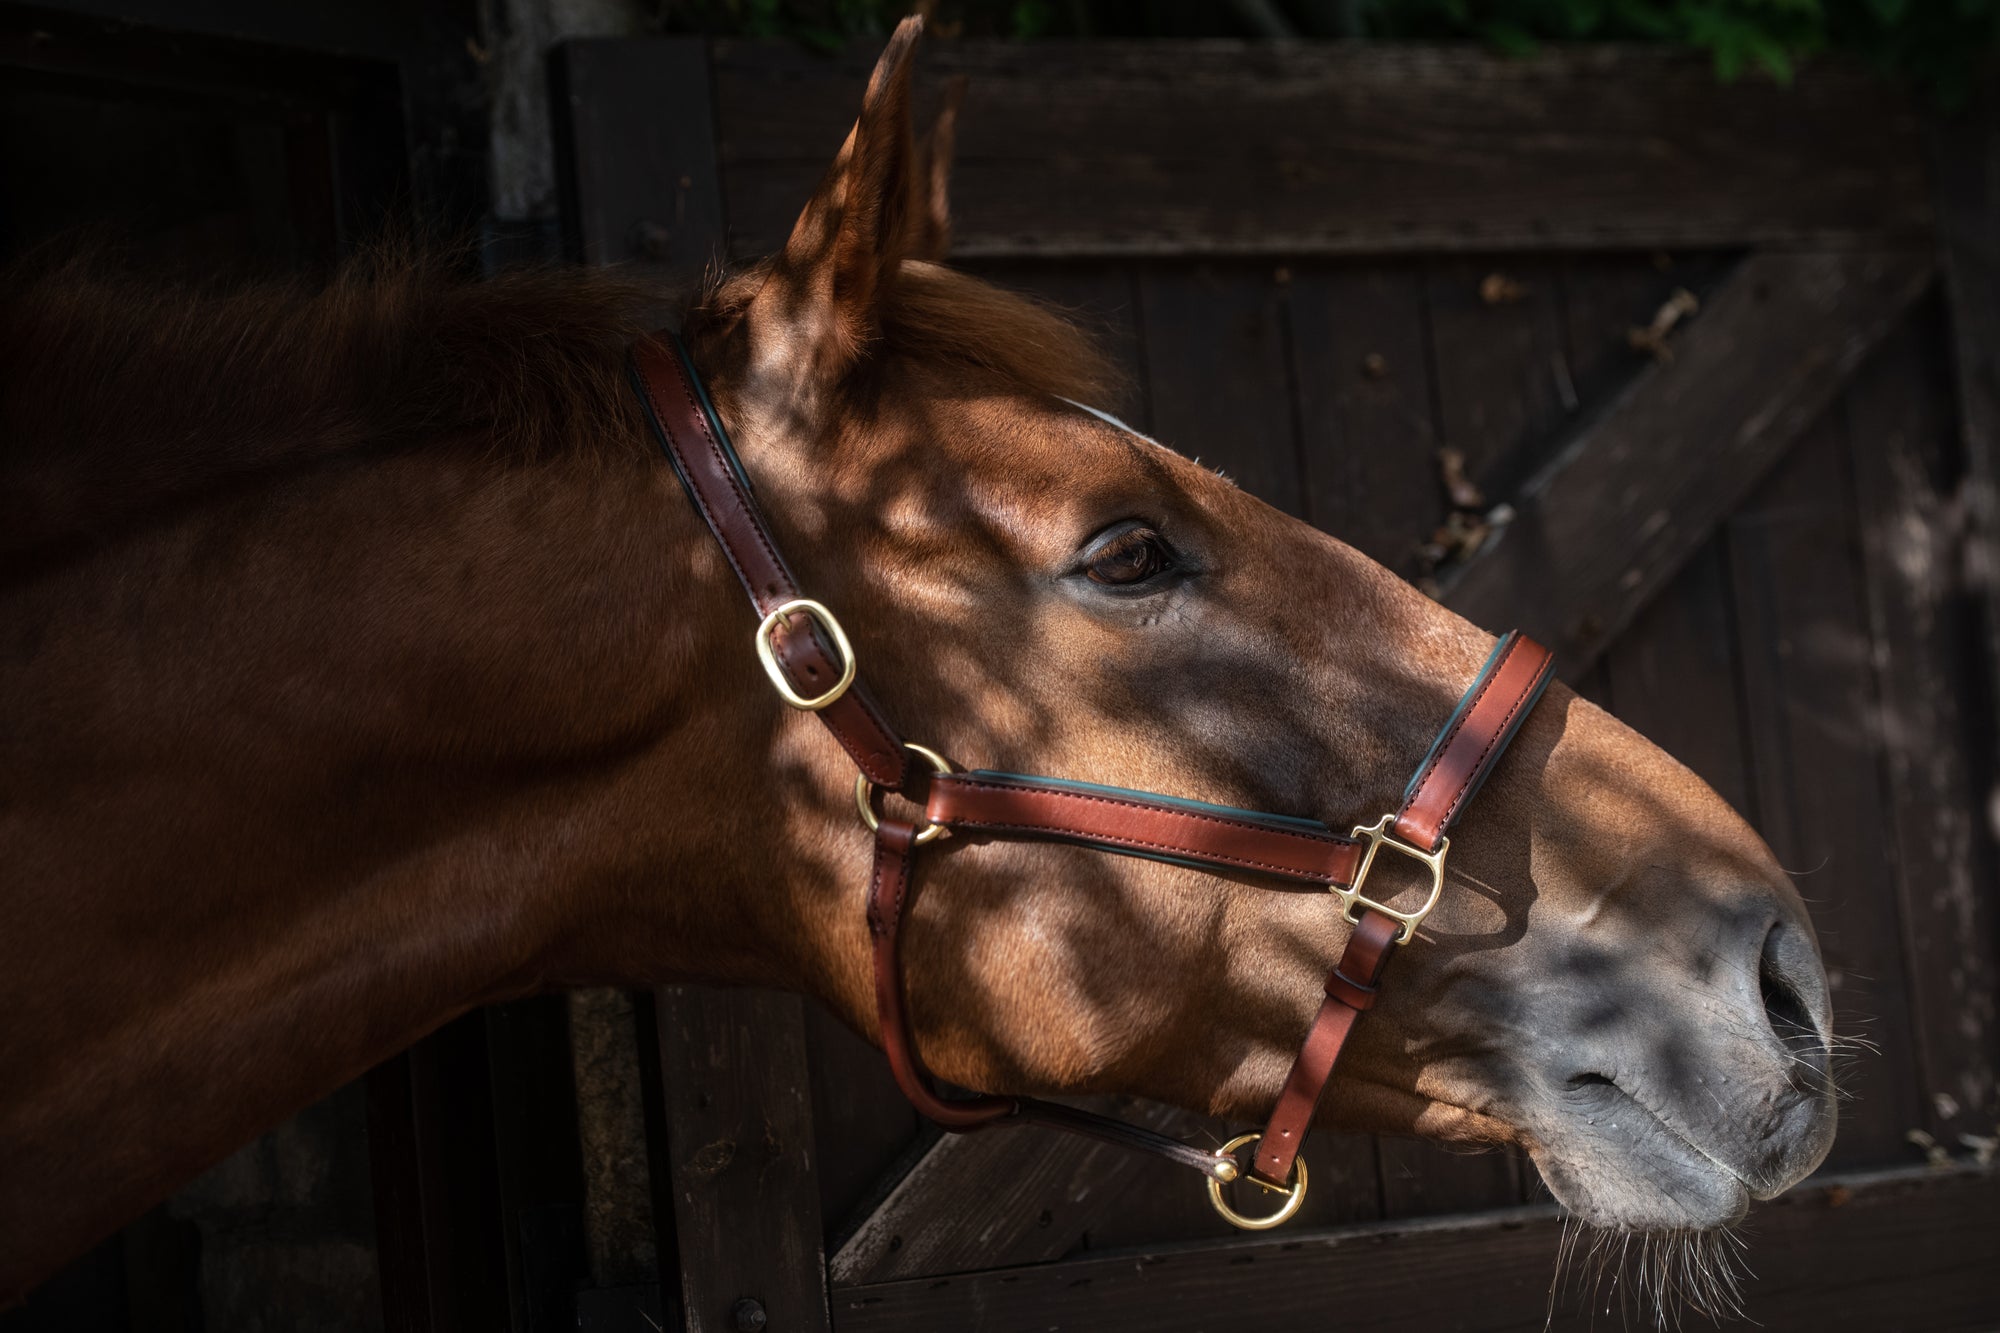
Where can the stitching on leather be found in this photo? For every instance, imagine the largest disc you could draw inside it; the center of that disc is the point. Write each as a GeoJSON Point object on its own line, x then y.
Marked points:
{"type": "Point", "coordinates": [1505, 725]}
{"type": "Point", "coordinates": [1127, 840]}
{"type": "Point", "coordinates": [728, 475]}
{"type": "Point", "coordinates": [1452, 735]}
{"type": "Point", "coordinates": [886, 764]}
{"type": "Point", "coordinates": [1307, 835]}
{"type": "Point", "coordinates": [694, 488]}
{"type": "Point", "coordinates": [1124, 840]}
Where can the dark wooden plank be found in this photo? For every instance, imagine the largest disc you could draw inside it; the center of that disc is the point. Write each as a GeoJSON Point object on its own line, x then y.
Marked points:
{"type": "Point", "coordinates": [863, 1124]}
{"type": "Point", "coordinates": [619, 1232]}
{"type": "Point", "coordinates": [1908, 480]}
{"type": "Point", "coordinates": [439, 1238]}
{"type": "Point", "coordinates": [1639, 486]}
{"type": "Point", "coordinates": [636, 150]}
{"type": "Point", "coordinates": [1605, 297]}
{"type": "Point", "coordinates": [1965, 164]}
{"type": "Point", "coordinates": [1673, 675]}
{"type": "Point", "coordinates": [1218, 375]}
{"type": "Point", "coordinates": [740, 1161]}
{"type": "Point", "coordinates": [1501, 370]}
{"type": "Point", "coordinates": [1365, 408]}
{"type": "Point", "coordinates": [1808, 693]}
{"type": "Point", "coordinates": [1297, 149]}
{"type": "Point", "coordinates": [538, 1163]}
{"type": "Point", "coordinates": [1905, 1249]}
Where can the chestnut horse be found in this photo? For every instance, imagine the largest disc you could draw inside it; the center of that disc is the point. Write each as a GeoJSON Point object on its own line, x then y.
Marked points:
{"type": "Point", "coordinates": [364, 663]}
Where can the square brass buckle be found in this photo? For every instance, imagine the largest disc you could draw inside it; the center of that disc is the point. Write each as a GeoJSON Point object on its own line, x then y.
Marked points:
{"type": "Point", "coordinates": [768, 654]}
{"type": "Point", "coordinates": [1378, 835]}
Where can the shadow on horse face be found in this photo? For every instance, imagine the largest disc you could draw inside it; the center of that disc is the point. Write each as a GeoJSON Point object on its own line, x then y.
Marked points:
{"type": "Point", "coordinates": [1619, 976]}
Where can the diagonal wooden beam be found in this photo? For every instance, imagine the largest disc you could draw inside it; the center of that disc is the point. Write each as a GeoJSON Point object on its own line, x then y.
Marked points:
{"type": "Point", "coordinates": [1638, 489]}
{"type": "Point", "coordinates": [996, 1199]}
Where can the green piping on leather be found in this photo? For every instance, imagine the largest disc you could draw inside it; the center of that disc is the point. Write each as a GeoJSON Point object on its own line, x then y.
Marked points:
{"type": "Point", "coordinates": [1155, 798]}
{"type": "Point", "coordinates": [1505, 738]}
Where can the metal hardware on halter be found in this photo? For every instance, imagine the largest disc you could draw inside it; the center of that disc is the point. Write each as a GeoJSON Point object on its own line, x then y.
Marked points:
{"type": "Point", "coordinates": [864, 794]}
{"type": "Point", "coordinates": [768, 654]}
{"type": "Point", "coordinates": [1295, 1194]}
{"type": "Point", "coordinates": [1379, 836]}
{"type": "Point", "coordinates": [985, 805]}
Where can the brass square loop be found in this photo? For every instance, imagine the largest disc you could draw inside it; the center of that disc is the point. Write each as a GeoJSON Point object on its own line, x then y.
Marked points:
{"type": "Point", "coordinates": [1352, 900]}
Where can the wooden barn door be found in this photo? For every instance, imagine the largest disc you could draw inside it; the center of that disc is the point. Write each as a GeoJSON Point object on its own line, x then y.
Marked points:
{"type": "Point", "coordinates": [1695, 383]}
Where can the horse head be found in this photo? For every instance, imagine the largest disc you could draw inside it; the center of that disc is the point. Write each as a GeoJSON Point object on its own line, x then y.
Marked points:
{"type": "Point", "coordinates": [1618, 976]}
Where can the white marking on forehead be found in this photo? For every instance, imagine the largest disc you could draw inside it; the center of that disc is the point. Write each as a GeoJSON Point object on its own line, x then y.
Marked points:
{"type": "Point", "coordinates": [1110, 420]}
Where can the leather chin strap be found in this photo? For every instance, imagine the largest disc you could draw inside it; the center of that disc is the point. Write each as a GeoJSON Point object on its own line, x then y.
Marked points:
{"type": "Point", "coordinates": [806, 654]}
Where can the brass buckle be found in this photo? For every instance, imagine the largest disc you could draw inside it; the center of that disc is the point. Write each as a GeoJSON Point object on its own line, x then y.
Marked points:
{"type": "Point", "coordinates": [1295, 1194]}
{"type": "Point", "coordinates": [864, 792]}
{"type": "Point", "coordinates": [768, 655]}
{"type": "Point", "coordinates": [1378, 835]}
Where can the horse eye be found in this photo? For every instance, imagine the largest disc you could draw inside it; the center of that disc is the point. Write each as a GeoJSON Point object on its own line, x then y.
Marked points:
{"type": "Point", "coordinates": [1132, 557]}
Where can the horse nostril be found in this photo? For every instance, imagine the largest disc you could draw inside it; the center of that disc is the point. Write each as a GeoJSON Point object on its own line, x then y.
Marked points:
{"type": "Point", "coordinates": [1785, 971]}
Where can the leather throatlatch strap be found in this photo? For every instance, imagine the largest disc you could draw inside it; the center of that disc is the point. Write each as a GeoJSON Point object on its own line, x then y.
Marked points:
{"type": "Point", "coordinates": [1004, 805]}
{"type": "Point", "coordinates": [691, 436]}
{"type": "Point", "coordinates": [1491, 711]}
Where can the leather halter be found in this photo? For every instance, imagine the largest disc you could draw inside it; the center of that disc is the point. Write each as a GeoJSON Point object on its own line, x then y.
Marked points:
{"type": "Point", "coordinates": [807, 656]}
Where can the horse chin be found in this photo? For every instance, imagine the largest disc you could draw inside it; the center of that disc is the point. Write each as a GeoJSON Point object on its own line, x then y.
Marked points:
{"type": "Point", "coordinates": [1616, 1165]}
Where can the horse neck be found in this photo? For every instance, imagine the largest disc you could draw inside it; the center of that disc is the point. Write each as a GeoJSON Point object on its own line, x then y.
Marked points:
{"type": "Point", "coordinates": [300, 776]}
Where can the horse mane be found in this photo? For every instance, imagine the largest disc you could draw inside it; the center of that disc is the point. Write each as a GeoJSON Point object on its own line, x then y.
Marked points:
{"type": "Point", "coordinates": [123, 397]}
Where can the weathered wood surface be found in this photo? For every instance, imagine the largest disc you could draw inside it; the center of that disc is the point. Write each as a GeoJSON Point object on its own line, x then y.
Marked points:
{"type": "Point", "coordinates": [1207, 148]}
{"type": "Point", "coordinates": [1908, 476]}
{"type": "Point", "coordinates": [638, 138]}
{"type": "Point", "coordinates": [1965, 159]}
{"type": "Point", "coordinates": [740, 1157]}
{"type": "Point", "coordinates": [1816, 765]}
{"type": "Point", "coordinates": [1901, 1249]}
{"type": "Point", "coordinates": [1610, 519]}
{"type": "Point", "coordinates": [1361, 363]}
{"type": "Point", "coordinates": [1965, 166]}
{"type": "Point", "coordinates": [1000, 1198]}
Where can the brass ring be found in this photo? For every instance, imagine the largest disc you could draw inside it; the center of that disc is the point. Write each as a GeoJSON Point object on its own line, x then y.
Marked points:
{"type": "Point", "coordinates": [864, 791]}
{"type": "Point", "coordinates": [1294, 1197]}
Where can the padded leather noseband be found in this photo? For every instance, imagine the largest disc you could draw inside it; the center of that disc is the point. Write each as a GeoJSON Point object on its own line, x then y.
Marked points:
{"type": "Point", "coordinates": [806, 654]}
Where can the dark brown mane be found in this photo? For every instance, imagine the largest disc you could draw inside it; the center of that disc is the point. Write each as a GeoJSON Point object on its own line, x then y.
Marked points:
{"type": "Point", "coordinates": [122, 397]}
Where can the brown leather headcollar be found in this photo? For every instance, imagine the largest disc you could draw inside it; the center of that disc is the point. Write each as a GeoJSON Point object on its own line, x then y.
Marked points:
{"type": "Point", "coordinates": [806, 654]}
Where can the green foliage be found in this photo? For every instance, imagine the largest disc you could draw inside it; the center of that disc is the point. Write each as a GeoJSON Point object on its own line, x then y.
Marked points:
{"type": "Point", "coordinates": [1939, 44]}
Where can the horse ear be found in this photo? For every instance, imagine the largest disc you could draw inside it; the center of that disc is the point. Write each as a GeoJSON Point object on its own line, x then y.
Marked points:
{"type": "Point", "coordinates": [933, 233]}
{"type": "Point", "coordinates": [816, 314]}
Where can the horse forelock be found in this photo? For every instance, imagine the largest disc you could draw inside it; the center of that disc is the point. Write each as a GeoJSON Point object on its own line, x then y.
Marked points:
{"type": "Point", "coordinates": [942, 315]}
